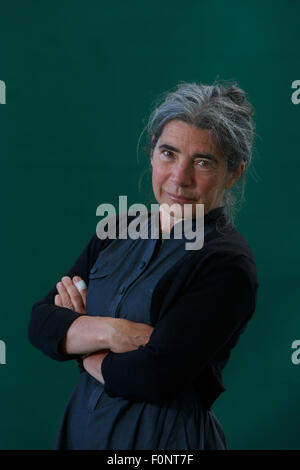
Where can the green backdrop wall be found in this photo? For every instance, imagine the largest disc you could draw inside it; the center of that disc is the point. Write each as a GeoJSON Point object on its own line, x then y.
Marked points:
{"type": "Point", "coordinates": [80, 81]}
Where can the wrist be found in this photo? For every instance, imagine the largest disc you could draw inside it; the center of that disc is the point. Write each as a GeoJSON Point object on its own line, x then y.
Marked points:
{"type": "Point", "coordinates": [104, 333]}
{"type": "Point", "coordinates": [92, 364]}
{"type": "Point", "coordinates": [80, 362]}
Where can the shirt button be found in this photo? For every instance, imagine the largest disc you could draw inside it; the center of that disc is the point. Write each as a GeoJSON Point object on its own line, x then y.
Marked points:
{"type": "Point", "coordinates": [143, 264]}
{"type": "Point", "coordinates": [122, 290]}
{"type": "Point", "coordinates": [93, 270]}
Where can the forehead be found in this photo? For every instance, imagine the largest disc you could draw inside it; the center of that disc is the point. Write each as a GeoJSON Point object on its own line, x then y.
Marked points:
{"type": "Point", "coordinates": [187, 137]}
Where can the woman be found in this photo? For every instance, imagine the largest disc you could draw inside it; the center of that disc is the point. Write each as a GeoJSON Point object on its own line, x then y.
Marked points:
{"type": "Point", "coordinates": [161, 320]}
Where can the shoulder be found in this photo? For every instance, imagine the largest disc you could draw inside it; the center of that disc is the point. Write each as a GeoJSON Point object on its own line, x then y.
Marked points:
{"type": "Point", "coordinates": [226, 250]}
{"type": "Point", "coordinates": [228, 242]}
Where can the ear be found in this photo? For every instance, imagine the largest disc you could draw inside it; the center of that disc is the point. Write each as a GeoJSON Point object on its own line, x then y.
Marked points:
{"type": "Point", "coordinates": [233, 177]}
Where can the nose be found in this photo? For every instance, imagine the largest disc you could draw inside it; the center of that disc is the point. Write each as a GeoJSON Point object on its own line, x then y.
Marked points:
{"type": "Point", "coordinates": [182, 174]}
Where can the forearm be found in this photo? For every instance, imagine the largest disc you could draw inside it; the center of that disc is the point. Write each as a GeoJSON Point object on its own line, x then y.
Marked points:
{"type": "Point", "coordinates": [86, 335]}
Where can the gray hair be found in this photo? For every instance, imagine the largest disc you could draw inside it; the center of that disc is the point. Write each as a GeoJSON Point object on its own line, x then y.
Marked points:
{"type": "Point", "coordinates": [222, 108]}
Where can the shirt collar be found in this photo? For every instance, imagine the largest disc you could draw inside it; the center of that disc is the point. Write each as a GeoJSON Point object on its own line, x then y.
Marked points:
{"type": "Point", "coordinates": [210, 220]}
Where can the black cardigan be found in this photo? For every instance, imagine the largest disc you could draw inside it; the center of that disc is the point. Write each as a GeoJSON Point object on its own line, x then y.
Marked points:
{"type": "Point", "coordinates": [199, 309]}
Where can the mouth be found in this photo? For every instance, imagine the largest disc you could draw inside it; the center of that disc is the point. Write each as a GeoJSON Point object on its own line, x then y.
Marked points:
{"type": "Point", "coordinates": [181, 199]}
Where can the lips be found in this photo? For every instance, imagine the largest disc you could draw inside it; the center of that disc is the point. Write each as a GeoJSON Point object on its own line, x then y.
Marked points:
{"type": "Point", "coordinates": [176, 198]}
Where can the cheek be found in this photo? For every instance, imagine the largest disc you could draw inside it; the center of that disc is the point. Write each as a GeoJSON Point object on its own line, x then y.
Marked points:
{"type": "Point", "coordinates": [207, 184]}
{"type": "Point", "coordinates": [158, 175]}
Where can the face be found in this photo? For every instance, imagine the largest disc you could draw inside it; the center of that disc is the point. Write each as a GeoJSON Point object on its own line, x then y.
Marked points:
{"type": "Point", "coordinates": [189, 168]}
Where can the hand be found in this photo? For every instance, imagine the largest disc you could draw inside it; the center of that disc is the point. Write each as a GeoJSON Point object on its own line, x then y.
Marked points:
{"type": "Point", "coordinates": [69, 296]}
{"type": "Point", "coordinates": [125, 335]}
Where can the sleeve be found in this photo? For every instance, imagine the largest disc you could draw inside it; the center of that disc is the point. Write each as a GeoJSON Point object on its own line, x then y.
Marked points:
{"type": "Point", "coordinates": [193, 330]}
{"type": "Point", "coordinates": [49, 323]}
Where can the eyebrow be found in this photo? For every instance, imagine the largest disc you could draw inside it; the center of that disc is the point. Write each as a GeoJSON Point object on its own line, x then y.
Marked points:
{"type": "Point", "coordinates": [195, 155]}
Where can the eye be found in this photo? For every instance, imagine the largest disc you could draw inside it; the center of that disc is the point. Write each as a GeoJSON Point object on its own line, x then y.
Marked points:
{"type": "Point", "coordinates": [203, 163]}
{"type": "Point", "coordinates": [167, 154]}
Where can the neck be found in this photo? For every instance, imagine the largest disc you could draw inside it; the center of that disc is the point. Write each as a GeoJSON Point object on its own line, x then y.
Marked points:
{"type": "Point", "coordinates": [166, 221]}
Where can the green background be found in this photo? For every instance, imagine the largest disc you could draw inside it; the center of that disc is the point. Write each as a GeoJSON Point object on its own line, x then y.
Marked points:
{"type": "Point", "coordinates": [81, 78]}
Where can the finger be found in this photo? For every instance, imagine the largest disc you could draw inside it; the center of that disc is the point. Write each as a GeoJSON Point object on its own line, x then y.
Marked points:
{"type": "Point", "coordinates": [58, 301]}
{"type": "Point", "coordinates": [74, 294]}
{"type": "Point", "coordinates": [64, 295]}
{"type": "Point", "coordinates": [81, 287]}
